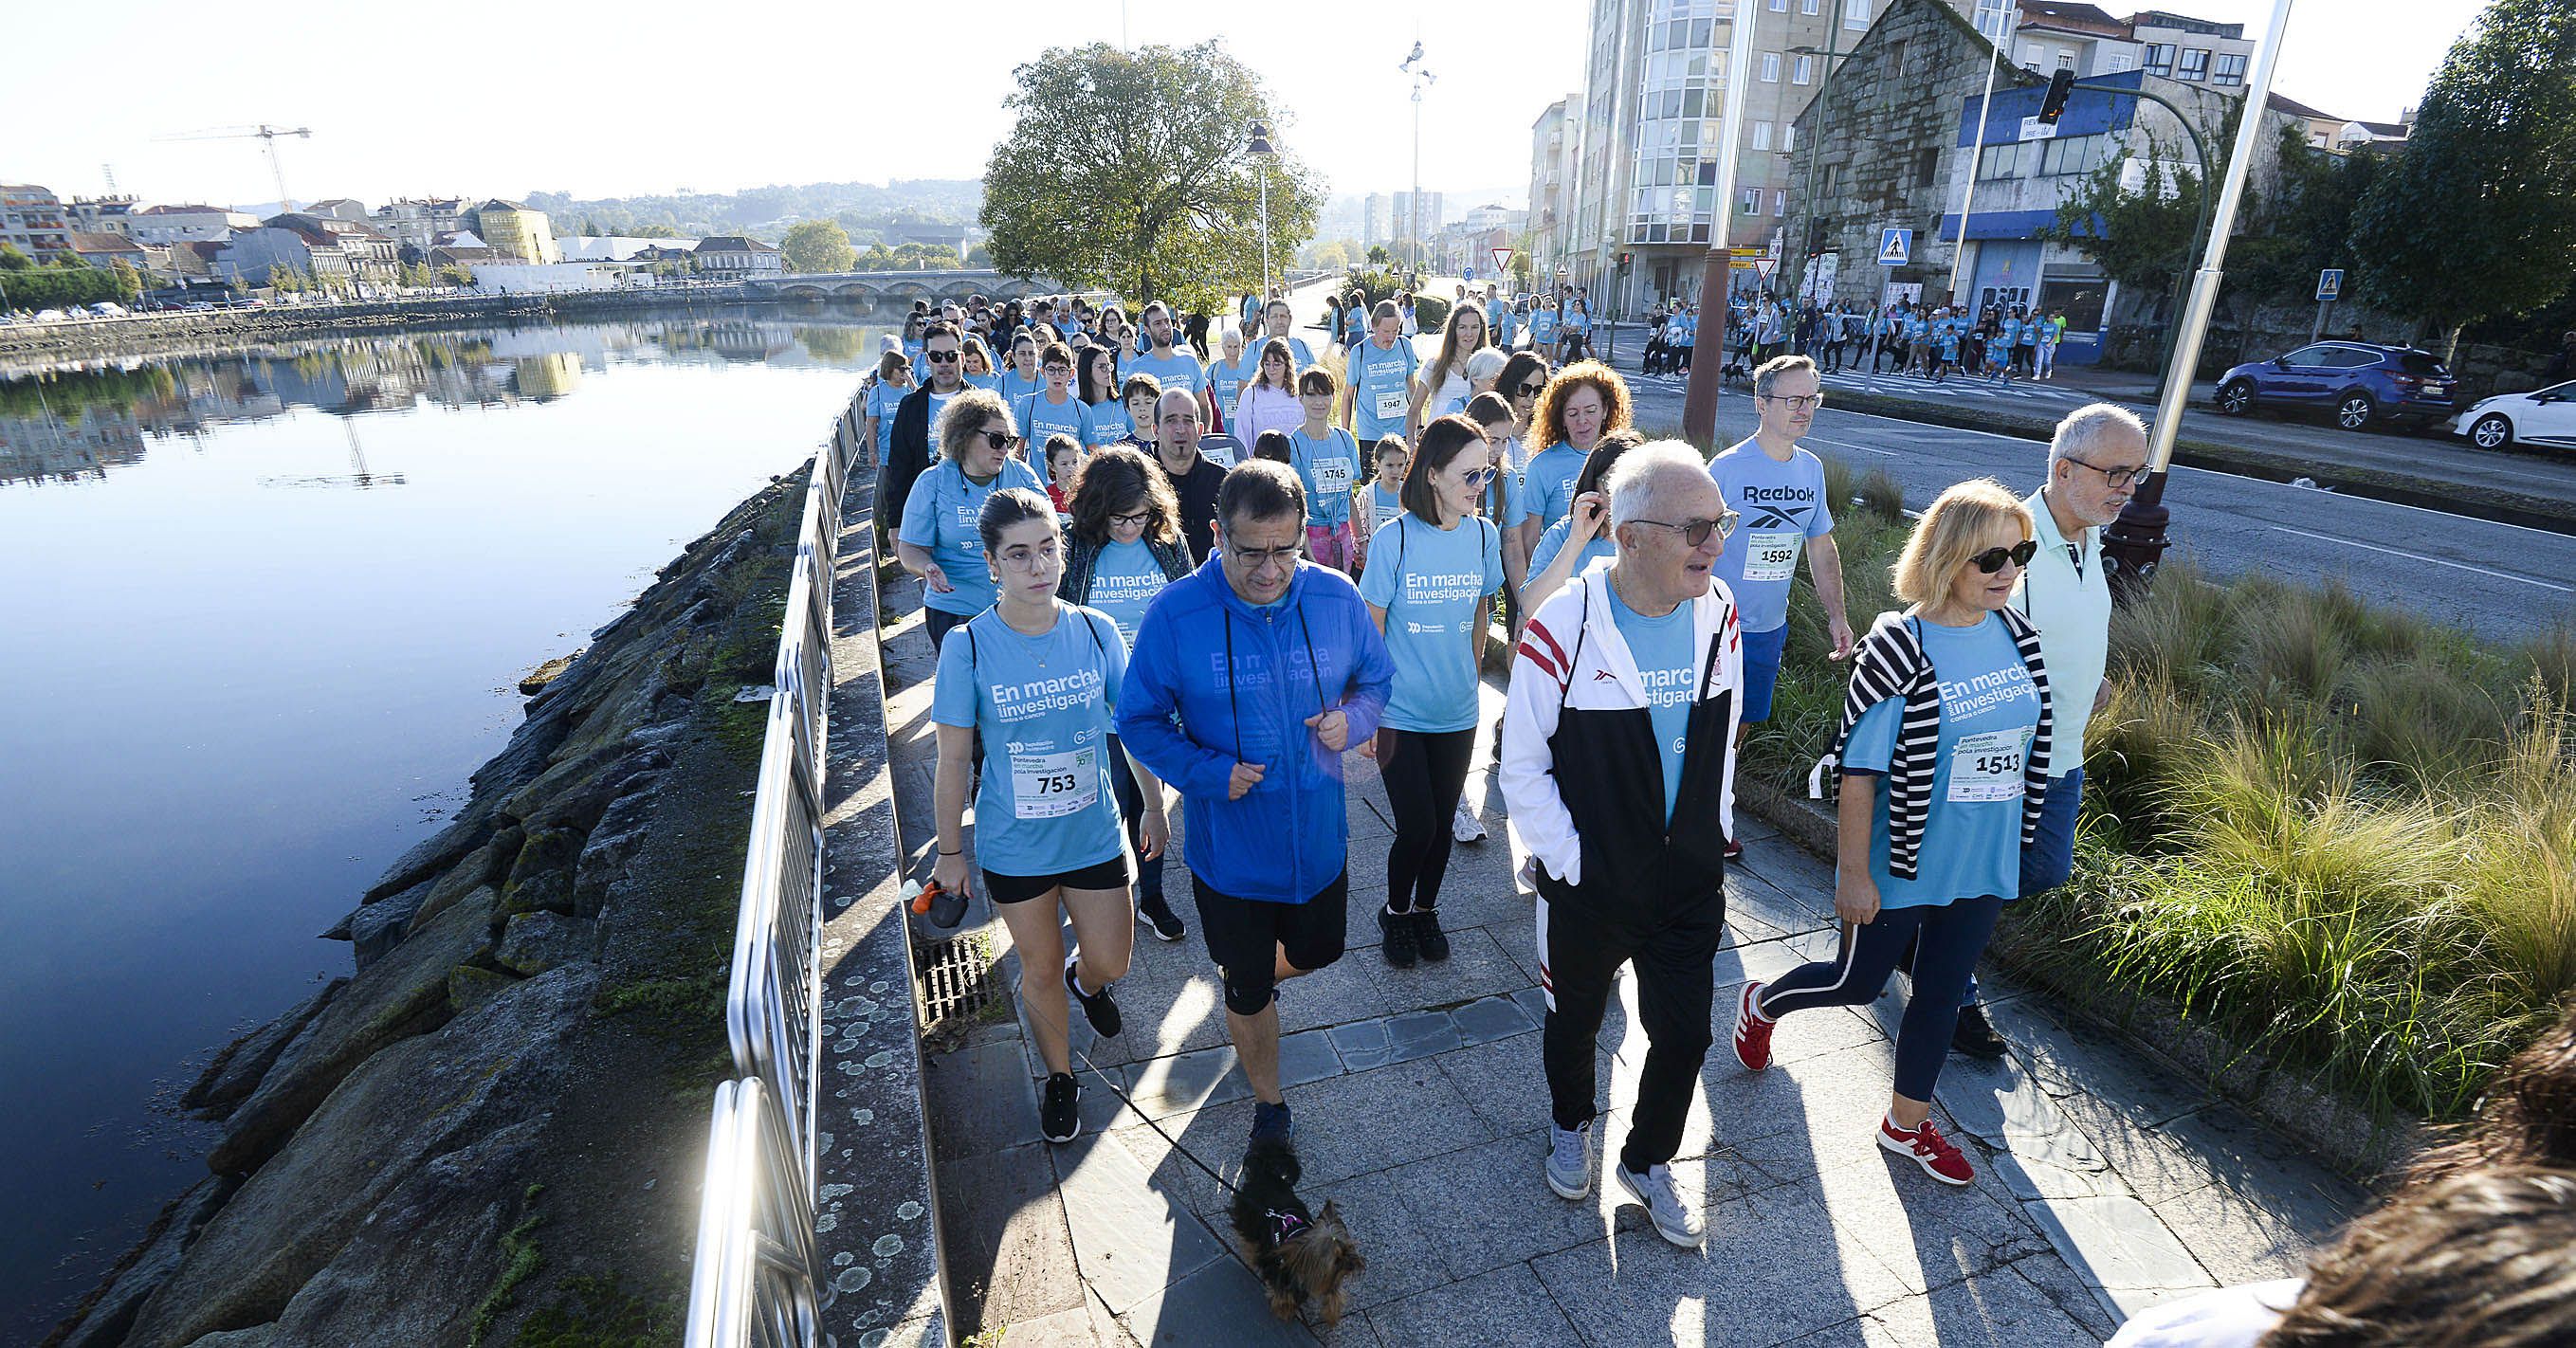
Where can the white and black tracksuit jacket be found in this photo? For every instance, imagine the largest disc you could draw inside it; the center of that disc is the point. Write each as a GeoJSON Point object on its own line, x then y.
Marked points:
{"type": "Point", "coordinates": [1582, 774]}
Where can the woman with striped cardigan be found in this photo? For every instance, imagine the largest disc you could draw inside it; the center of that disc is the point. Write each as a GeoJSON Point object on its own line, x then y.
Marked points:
{"type": "Point", "coordinates": [1943, 759]}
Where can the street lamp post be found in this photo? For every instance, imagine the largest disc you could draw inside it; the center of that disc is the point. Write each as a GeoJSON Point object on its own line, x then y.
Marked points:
{"type": "Point", "coordinates": [1976, 152]}
{"type": "Point", "coordinates": [1262, 152]}
{"type": "Point", "coordinates": [2134, 545]}
{"type": "Point", "coordinates": [1708, 352]}
{"type": "Point", "coordinates": [1824, 90]}
{"type": "Point", "coordinates": [1422, 79]}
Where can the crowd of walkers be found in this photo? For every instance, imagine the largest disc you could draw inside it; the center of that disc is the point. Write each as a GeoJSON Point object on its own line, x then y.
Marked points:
{"type": "Point", "coordinates": [1166, 615]}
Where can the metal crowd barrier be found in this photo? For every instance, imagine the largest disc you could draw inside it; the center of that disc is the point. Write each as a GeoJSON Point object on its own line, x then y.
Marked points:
{"type": "Point", "coordinates": [755, 1280]}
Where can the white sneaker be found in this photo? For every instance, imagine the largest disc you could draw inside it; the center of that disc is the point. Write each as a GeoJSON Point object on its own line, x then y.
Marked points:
{"type": "Point", "coordinates": [1569, 1162]}
{"type": "Point", "coordinates": [1675, 1219]}
{"type": "Point", "coordinates": [1465, 826]}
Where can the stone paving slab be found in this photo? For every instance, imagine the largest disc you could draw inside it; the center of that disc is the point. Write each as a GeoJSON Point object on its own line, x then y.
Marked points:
{"type": "Point", "coordinates": [2104, 1184]}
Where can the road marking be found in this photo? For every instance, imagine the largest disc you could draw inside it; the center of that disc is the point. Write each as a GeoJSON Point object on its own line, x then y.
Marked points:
{"type": "Point", "coordinates": [1846, 444]}
{"type": "Point", "coordinates": [2419, 557]}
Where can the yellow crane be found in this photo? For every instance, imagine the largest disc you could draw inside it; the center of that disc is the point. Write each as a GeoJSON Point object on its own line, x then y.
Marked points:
{"type": "Point", "coordinates": [267, 136]}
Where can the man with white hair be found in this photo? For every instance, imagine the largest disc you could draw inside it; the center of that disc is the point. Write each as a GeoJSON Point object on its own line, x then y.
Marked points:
{"type": "Point", "coordinates": [1619, 771]}
{"type": "Point", "coordinates": [1194, 479]}
{"type": "Point", "coordinates": [2095, 461]}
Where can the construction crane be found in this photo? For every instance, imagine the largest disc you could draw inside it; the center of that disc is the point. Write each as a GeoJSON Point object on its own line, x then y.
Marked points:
{"type": "Point", "coordinates": [267, 136]}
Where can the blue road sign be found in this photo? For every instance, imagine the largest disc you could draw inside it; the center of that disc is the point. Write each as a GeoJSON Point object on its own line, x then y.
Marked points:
{"type": "Point", "coordinates": [2330, 284]}
{"type": "Point", "coordinates": [1471, 275]}
{"type": "Point", "coordinates": [1895, 247]}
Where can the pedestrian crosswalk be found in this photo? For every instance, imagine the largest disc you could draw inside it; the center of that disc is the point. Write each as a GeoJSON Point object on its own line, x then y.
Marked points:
{"type": "Point", "coordinates": [1956, 386]}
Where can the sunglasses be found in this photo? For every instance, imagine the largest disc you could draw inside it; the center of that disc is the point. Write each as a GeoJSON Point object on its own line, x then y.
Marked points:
{"type": "Point", "coordinates": [1696, 532]}
{"type": "Point", "coordinates": [1992, 560]}
{"type": "Point", "coordinates": [1004, 440]}
{"type": "Point", "coordinates": [1532, 390]}
{"type": "Point", "coordinates": [1479, 477]}
{"type": "Point", "coordinates": [941, 357]}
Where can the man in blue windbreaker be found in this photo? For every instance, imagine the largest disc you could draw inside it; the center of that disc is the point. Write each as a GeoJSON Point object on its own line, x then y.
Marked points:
{"type": "Point", "coordinates": [1249, 678]}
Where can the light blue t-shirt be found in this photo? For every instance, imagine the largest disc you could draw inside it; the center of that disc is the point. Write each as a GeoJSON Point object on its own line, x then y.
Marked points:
{"type": "Point", "coordinates": [1298, 354]}
{"type": "Point", "coordinates": [1384, 505]}
{"type": "Point", "coordinates": [1542, 326]}
{"type": "Point", "coordinates": [1381, 389]}
{"type": "Point", "coordinates": [1665, 665]}
{"type": "Point", "coordinates": [883, 399]}
{"type": "Point", "coordinates": [1329, 467]}
{"type": "Point", "coordinates": [1015, 388]}
{"type": "Point", "coordinates": [2008, 331]}
{"type": "Point", "coordinates": [1781, 506]}
{"type": "Point", "coordinates": [1177, 370]}
{"type": "Point", "coordinates": [1229, 380]}
{"type": "Point", "coordinates": [1971, 845]}
{"type": "Point", "coordinates": [1429, 581]}
{"type": "Point", "coordinates": [930, 424]}
{"type": "Point", "coordinates": [1578, 320]}
{"type": "Point", "coordinates": [1109, 424]}
{"type": "Point", "coordinates": [1553, 542]}
{"type": "Point", "coordinates": [1547, 484]}
{"type": "Point", "coordinates": [1124, 582]}
{"type": "Point", "coordinates": [1043, 704]}
{"type": "Point", "coordinates": [989, 382]}
{"type": "Point", "coordinates": [1039, 419]}
{"type": "Point", "coordinates": [940, 515]}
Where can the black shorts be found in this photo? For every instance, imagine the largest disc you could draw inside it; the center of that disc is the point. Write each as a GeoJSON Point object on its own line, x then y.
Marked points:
{"type": "Point", "coordinates": [1111, 874]}
{"type": "Point", "coordinates": [1244, 937]}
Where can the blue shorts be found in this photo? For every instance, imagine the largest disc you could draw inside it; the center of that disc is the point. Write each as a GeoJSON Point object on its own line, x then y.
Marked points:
{"type": "Point", "coordinates": [1761, 670]}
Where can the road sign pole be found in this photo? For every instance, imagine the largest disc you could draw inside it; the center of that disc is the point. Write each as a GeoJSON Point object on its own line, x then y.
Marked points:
{"type": "Point", "coordinates": [1708, 353]}
{"type": "Point", "coordinates": [2319, 331]}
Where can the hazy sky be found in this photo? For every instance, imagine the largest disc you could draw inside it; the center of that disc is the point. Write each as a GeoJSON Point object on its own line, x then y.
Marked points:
{"type": "Point", "coordinates": [406, 101]}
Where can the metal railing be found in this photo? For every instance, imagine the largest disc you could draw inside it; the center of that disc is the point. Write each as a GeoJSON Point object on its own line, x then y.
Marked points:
{"type": "Point", "coordinates": [755, 1280]}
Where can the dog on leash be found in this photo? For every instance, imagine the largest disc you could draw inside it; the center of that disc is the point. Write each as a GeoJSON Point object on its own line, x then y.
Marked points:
{"type": "Point", "coordinates": [1301, 1255]}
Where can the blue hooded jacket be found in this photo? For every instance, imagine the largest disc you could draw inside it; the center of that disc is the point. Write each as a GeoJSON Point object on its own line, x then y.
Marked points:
{"type": "Point", "coordinates": [1242, 681]}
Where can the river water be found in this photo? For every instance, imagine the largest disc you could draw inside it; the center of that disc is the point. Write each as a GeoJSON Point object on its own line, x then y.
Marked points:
{"type": "Point", "coordinates": [260, 615]}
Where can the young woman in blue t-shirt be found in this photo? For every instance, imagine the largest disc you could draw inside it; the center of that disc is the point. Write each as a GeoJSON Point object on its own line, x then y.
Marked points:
{"type": "Point", "coordinates": [885, 393]}
{"type": "Point", "coordinates": [1962, 652]}
{"type": "Point", "coordinates": [1042, 676]}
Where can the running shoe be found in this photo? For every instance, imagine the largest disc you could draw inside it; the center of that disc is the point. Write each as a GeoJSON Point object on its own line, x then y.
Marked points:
{"type": "Point", "coordinates": [1675, 1220]}
{"type": "Point", "coordinates": [1427, 936]}
{"type": "Point", "coordinates": [1734, 850]}
{"type": "Point", "coordinates": [1157, 912]}
{"type": "Point", "coordinates": [1059, 1119]}
{"type": "Point", "coordinates": [1569, 1161]}
{"type": "Point", "coordinates": [1975, 1036]}
{"type": "Point", "coordinates": [1928, 1149]}
{"type": "Point", "coordinates": [1400, 948]}
{"type": "Point", "coordinates": [1464, 826]}
{"type": "Point", "coordinates": [1096, 1006]}
{"type": "Point", "coordinates": [1271, 1123]}
{"type": "Point", "coordinates": [1752, 1032]}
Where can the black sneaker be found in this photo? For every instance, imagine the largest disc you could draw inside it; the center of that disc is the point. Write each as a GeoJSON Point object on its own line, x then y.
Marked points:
{"type": "Point", "coordinates": [1974, 1037]}
{"type": "Point", "coordinates": [1271, 1123]}
{"type": "Point", "coordinates": [1096, 1007]}
{"type": "Point", "coordinates": [1059, 1118]}
{"type": "Point", "coordinates": [1399, 948]}
{"type": "Point", "coordinates": [1158, 913]}
{"type": "Point", "coordinates": [1433, 942]}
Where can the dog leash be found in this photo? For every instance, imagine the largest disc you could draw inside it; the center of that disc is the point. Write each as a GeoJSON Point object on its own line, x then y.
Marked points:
{"type": "Point", "coordinates": [1130, 1101]}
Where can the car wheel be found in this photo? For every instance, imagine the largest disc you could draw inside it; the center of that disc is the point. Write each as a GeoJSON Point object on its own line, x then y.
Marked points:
{"type": "Point", "coordinates": [2492, 431]}
{"type": "Point", "coordinates": [2237, 398]}
{"type": "Point", "coordinates": [2354, 410]}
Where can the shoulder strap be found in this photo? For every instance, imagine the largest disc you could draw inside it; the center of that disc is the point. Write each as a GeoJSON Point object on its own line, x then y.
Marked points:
{"type": "Point", "coordinates": [1574, 658]}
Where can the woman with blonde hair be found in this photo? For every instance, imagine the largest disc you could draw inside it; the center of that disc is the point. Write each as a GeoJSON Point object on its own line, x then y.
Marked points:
{"type": "Point", "coordinates": [940, 540]}
{"type": "Point", "coordinates": [1944, 763]}
{"type": "Point", "coordinates": [1442, 387]}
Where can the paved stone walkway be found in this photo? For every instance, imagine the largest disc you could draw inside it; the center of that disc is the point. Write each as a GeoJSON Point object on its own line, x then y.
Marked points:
{"type": "Point", "coordinates": [2103, 1184]}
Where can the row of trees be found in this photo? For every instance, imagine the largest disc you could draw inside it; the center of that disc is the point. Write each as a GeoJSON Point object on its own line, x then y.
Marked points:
{"type": "Point", "coordinates": [64, 282]}
{"type": "Point", "coordinates": [823, 246]}
{"type": "Point", "coordinates": [2472, 223]}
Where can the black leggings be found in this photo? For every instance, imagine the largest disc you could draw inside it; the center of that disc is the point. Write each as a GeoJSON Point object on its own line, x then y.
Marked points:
{"type": "Point", "coordinates": [1424, 772]}
{"type": "Point", "coordinates": [1950, 939]}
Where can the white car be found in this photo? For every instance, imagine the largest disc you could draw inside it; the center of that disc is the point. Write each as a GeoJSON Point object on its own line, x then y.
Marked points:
{"type": "Point", "coordinates": [2544, 416]}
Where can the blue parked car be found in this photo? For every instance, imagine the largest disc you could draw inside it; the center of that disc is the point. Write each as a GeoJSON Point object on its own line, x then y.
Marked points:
{"type": "Point", "coordinates": [2356, 383]}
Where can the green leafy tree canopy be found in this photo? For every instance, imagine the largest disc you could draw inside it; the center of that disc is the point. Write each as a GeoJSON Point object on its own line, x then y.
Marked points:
{"type": "Point", "coordinates": [1128, 170]}
{"type": "Point", "coordinates": [817, 245]}
{"type": "Point", "coordinates": [2477, 216]}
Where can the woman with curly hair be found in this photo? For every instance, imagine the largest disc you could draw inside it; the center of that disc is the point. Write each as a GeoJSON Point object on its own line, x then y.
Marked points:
{"type": "Point", "coordinates": [1585, 401]}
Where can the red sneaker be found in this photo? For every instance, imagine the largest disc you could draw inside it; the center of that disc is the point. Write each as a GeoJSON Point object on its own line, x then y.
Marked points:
{"type": "Point", "coordinates": [1928, 1149]}
{"type": "Point", "coordinates": [1752, 1032]}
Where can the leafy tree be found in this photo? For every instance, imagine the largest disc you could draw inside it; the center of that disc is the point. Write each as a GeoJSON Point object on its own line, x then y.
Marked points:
{"type": "Point", "coordinates": [816, 245]}
{"type": "Point", "coordinates": [2477, 217]}
{"type": "Point", "coordinates": [2147, 240]}
{"type": "Point", "coordinates": [13, 260]}
{"type": "Point", "coordinates": [2304, 225]}
{"type": "Point", "coordinates": [284, 279]}
{"type": "Point", "coordinates": [652, 232]}
{"type": "Point", "coordinates": [129, 282]}
{"type": "Point", "coordinates": [1378, 256]}
{"type": "Point", "coordinates": [1335, 255]}
{"type": "Point", "coordinates": [1129, 170]}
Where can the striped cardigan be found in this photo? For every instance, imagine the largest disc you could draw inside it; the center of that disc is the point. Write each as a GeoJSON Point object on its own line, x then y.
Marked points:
{"type": "Point", "coordinates": [1891, 663]}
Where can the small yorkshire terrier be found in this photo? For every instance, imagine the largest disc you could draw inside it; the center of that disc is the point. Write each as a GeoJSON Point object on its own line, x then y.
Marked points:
{"type": "Point", "coordinates": [1300, 1255]}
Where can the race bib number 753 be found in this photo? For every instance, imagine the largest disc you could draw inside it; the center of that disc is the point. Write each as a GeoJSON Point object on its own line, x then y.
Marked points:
{"type": "Point", "coordinates": [1051, 786]}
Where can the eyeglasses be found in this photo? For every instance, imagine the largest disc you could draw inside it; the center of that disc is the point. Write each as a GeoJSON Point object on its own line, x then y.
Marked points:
{"type": "Point", "coordinates": [1799, 403]}
{"type": "Point", "coordinates": [942, 357]}
{"type": "Point", "coordinates": [1533, 389]}
{"type": "Point", "coordinates": [999, 439]}
{"type": "Point", "coordinates": [1696, 532]}
{"type": "Point", "coordinates": [1992, 560]}
{"type": "Point", "coordinates": [1032, 559]}
{"type": "Point", "coordinates": [1259, 558]}
{"type": "Point", "coordinates": [2117, 477]}
{"type": "Point", "coordinates": [1139, 519]}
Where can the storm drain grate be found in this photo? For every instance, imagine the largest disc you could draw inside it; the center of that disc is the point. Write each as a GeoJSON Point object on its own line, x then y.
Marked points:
{"type": "Point", "coordinates": [956, 979]}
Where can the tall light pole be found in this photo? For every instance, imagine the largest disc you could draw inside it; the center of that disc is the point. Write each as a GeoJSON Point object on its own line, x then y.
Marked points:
{"type": "Point", "coordinates": [1976, 149]}
{"type": "Point", "coordinates": [1422, 79]}
{"type": "Point", "coordinates": [1262, 152]}
{"type": "Point", "coordinates": [1824, 90]}
{"type": "Point", "coordinates": [1708, 353]}
{"type": "Point", "coordinates": [2135, 543]}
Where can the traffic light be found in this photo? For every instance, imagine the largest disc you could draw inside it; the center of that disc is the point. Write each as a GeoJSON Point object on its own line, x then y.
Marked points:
{"type": "Point", "coordinates": [1624, 259]}
{"type": "Point", "coordinates": [2053, 104]}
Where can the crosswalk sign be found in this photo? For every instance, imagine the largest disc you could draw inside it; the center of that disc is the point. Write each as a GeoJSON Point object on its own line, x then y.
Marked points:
{"type": "Point", "coordinates": [1895, 247]}
{"type": "Point", "coordinates": [2329, 284]}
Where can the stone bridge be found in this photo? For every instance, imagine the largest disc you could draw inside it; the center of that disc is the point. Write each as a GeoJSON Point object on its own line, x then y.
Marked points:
{"type": "Point", "coordinates": [901, 285]}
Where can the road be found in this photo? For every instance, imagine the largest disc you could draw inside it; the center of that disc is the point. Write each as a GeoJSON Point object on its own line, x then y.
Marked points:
{"type": "Point", "coordinates": [2504, 582]}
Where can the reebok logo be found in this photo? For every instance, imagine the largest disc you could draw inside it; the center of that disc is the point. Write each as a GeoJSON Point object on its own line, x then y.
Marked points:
{"type": "Point", "coordinates": [1774, 517]}
{"type": "Point", "coordinates": [1757, 495]}
{"type": "Point", "coordinates": [1603, 675]}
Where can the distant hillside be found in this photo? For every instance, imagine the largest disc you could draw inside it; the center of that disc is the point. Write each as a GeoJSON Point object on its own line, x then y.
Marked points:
{"type": "Point", "coordinates": [866, 210]}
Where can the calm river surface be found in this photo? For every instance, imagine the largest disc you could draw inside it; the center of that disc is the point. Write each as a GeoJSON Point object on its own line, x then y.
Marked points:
{"type": "Point", "coordinates": [262, 614]}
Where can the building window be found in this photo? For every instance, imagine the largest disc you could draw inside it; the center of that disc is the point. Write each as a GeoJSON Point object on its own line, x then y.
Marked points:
{"type": "Point", "coordinates": [2159, 58]}
{"type": "Point", "coordinates": [2119, 62]}
{"type": "Point", "coordinates": [1805, 72]}
{"type": "Point", "coordinates": [2195, 64]}
{"type": "Point", "coordinates": [1809, 6]}
{"type": "Point", "coordinates": [1779, 6]}
{"type": "Point", "coordinates": [2230, 69]}
{"type": "Point", "coordinates": [1753, 201]}
{"type": "Point", "coordinates": [1788, 137]}
{"type": "Point", "coordinates": [1779, 201]}
{"type": "Point", "coordinates": [2072, 154]}
{"type": "Point", "coordinates": [1994, 18]}
{"type": "Point", "coordinates": [1856, 14]}
{"type": "Point", "coordinates": [2000, 161]}
{"type": "Point", "coordinates": [1927, 167]}
{"type": "Point", "coordinates": [1761, 135]}
{"type": "Point", "coordinates": [2066, 60]}
{"type": "Point", "coordinates": [1770, 67]}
